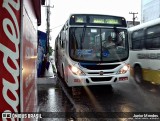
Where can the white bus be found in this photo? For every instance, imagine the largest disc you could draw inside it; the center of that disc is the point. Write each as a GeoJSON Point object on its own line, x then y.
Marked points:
{"type": "Point", "coordinates": [82, 57]}
{"type": "Point", "coordinates": [145, 51]}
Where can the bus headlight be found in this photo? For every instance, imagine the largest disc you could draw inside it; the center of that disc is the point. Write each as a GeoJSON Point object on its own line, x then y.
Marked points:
{"type": "Point", "coordinates": [76, 70]}
{"type": "Point", "coordinates": [124, 69]}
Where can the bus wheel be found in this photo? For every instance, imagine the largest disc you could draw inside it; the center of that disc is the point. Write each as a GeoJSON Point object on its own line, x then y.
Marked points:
{"type": "Point", "coordinates": [58, 74]}
{"type": "Point", "coordinates": [138, 74]}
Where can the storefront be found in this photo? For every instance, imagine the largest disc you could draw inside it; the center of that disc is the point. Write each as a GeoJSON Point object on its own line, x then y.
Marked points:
{"type": "Point", "coordinates": [18, 55]}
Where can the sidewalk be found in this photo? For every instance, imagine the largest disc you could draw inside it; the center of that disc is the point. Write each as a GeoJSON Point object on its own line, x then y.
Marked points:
{"type": "Point", "coordinates": [49, 77]}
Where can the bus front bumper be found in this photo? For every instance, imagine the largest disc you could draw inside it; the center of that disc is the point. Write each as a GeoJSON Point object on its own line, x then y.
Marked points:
{"type": "Point", "coordinates": [87, 80]}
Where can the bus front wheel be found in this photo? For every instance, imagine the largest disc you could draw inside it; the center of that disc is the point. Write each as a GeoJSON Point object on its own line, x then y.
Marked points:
{"type": "Point", "coordinates": [138, 74]}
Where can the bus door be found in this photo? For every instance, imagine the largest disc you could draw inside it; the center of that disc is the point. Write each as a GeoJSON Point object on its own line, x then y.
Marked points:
{"type": "Point", "coordinates": [138, 54]}
{"type": "Point", "coordinates": [62, 52]}
{"type": "Point", "coordinates": [152, 44]}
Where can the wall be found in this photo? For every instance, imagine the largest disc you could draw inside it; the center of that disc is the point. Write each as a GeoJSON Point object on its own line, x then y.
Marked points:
{"type": "Point", "coordinates": [10, 24]}
{"type": "Point", "coordinates": [18, 56]}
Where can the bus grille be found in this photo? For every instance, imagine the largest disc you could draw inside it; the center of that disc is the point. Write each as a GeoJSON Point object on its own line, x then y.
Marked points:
{"type": "Point", "coordinates": [100, 67]}
{"type": "Point", "coordinates": [99, 79]}
{"type": "Point", "coordinates": [99, 72]}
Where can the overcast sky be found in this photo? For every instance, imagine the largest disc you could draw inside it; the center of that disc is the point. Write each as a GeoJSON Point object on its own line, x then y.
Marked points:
{"type": "Point", "coordinates": [63, 8]}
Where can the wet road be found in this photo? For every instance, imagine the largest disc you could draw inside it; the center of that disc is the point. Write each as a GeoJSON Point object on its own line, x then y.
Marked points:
{"type": "Point", "coordinates": [93, 103]}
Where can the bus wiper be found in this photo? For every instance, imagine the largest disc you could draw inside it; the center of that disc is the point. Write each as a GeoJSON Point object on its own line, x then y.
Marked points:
{"type": "Point", "coordinates": [116, 34]}
{"type": "Point", "coordinates": [73, 34]}
{"type": "Point", "coordinates": [118, 37]}
{"type": "Point", "coordinates": [74, 38]}
{"type": "Point", "coordinates": [82, 37]}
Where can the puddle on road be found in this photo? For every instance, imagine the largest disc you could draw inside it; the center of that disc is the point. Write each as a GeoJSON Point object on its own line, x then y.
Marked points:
{"type": "Point", "coordinates": [59, 102]}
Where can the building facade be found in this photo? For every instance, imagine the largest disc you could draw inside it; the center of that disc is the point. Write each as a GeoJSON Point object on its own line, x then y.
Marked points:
{"type": "Point", "coordinates": [150, 10]}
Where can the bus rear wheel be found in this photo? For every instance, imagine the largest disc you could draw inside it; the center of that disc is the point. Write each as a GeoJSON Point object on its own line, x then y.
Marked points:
{"type": "Point", "coordinates": [138, 74]}
{"type": "Point", "coordinates": [58, 74]}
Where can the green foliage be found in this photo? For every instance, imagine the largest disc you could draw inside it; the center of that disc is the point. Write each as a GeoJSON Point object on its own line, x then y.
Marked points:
{"type": "Point", "coordinates": [50, 50]}
{"type": "Point", "coordinates": [53, 67]}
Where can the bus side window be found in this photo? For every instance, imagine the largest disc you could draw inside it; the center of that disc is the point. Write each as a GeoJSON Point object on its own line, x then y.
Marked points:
{"type": "Point", "coordinates": [153, 37]}
{"type": "Point", "coordinates": [137, 38]}
{"type": "Point", "coordinates": [63, 44]}
{"type": "Point", "coordinates": [63, 39]}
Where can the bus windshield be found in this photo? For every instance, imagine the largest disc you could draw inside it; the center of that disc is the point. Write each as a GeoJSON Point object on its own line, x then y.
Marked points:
{"type": "Point", "coordinates": [98, 44]}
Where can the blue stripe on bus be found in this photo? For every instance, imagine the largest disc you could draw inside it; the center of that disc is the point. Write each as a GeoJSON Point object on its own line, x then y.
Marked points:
{"type": "Point", "coordinates": [88, 63]}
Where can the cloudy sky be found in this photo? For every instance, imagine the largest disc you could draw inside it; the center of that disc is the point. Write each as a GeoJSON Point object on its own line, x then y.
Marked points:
{"type": "Point", "coordinates": [63, 8]}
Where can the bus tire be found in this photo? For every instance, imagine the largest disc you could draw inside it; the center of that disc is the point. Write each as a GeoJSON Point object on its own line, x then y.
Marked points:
{"type": "Point", "coordinates": [138, 77]}
{"type": "Point", "coordinates": [58, 74]}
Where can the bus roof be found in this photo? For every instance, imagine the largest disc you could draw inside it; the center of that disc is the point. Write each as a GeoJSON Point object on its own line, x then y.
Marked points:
{"type": "Point", "coordinates": [97, 19]}
{"type": "Point", "coordinates": [94, 15]}
{"type": "Point", "coordinates": [144, 25]}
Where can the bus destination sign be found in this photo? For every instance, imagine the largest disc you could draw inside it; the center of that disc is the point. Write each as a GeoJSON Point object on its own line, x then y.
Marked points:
{"type": "Point", "coordinates": [97, 19]}
{"type": "Point", "coordinates": [101, 19]}
{"type": "Point", "coordinates": [105, 21]}
{"type": "Point", "coordinates": [79, 20]}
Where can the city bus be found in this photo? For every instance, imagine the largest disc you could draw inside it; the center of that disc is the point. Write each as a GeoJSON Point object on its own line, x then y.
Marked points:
{"type": "Point", "coordinates": [82, 57]}
{"type": "Point", "coordinates": [145, 52]}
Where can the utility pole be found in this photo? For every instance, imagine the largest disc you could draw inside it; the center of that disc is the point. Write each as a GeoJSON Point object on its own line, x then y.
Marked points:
{"type": "Point", "coordinates": [48, 24]}
{"type": "Point", "coordinates": [134, 17]}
